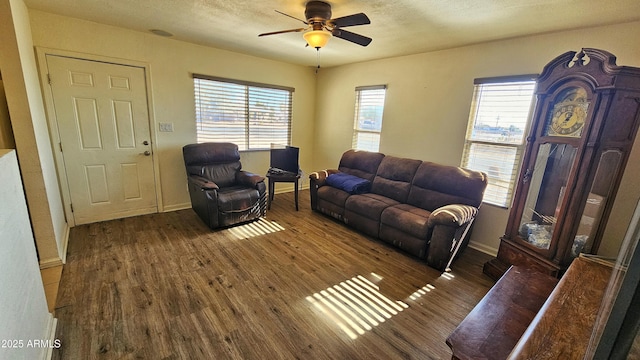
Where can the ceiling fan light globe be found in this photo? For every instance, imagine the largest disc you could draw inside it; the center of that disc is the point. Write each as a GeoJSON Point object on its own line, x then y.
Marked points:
{"type": "Point", "coordinates": [317, 38]}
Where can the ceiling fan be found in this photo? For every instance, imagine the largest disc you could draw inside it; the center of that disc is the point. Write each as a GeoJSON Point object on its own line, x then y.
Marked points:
{"type": "Point", "coordinates": [320, 26]}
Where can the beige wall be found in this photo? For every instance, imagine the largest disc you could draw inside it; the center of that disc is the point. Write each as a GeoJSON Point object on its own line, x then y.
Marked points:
{"type": "Point", "coordinates": [426, 110]}
{"type": "Point", "coordinates": [428, 98]}
{"type": "Point", "coordinates": [23, 313]}
{"type": "Point", "coordinates": [26, 109]}
{"type": "Point", "coordinates": [171, 64]}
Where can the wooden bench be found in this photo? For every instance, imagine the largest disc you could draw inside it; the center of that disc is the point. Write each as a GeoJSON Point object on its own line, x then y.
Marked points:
{"type": "Point", "coordinates": [494, 326]}
{"type": "Point", "coordinates": [528, 314]}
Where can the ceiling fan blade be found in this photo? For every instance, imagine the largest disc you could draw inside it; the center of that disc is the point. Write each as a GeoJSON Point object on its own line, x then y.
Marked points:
{"type": "Point", "coordinates": [282, 31]}
{"type": "Point", "coordinates": [293, 17]}
{"type": "Point", "coordinates": [351, 20]}
{"type": "Point", "coordinates": [353, 37]}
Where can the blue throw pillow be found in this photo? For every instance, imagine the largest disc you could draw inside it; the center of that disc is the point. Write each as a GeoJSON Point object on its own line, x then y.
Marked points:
{"type": "Point", "coordinates": [349, 183]}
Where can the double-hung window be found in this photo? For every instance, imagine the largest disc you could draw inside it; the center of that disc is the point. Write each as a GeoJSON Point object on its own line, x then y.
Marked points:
{"type": "Point", "coordinates": [495, 139]}
{"type": "Point", "coordinates": [367, 124]}
{"type": "Point", "coordinates": [251, 115]}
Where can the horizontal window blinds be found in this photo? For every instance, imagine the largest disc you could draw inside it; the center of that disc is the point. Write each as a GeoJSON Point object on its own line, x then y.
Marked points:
{"type": "Point", "coordinates": [368, 117]}
{"type": "Point", "coordinates": [248, 115]}
{"type": "Point", "coordinates": [498, 123]}
{"type": "Point", "coordinates": [500, 112]}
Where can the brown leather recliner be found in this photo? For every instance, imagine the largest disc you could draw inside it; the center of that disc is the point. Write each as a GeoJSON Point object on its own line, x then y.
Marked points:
{"type": "Point", "coordinates": [222, 194]}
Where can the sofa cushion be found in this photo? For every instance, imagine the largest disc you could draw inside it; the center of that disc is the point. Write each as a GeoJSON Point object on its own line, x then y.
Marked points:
{"type": "Point", "coordinates": [438, 185]}
{"type": "Point", "coordinates": [394, 177]}
{"type": "Point", "coordinates": [362, 164]}
{"type": "Point", "coordinates": [349, 183]}
{"type": "Point", "coordinates": [368, 205]}
{"type": "Point", "coordinates": [362, 212]}
{"type": "Point", "coordinates": [331, 201]}
{"type": "Point", "coordinates": [408, 219]}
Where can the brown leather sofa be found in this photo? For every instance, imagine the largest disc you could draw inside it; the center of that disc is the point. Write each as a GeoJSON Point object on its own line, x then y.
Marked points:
{"type": "Point", "coordinates": [222, 194]}
{"type": "Point", "coordinates": [421, 207]}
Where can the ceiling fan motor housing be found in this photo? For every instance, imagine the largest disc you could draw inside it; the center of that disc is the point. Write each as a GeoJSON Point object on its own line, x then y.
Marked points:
{"type": "Point", "coordinates": [317, 12]}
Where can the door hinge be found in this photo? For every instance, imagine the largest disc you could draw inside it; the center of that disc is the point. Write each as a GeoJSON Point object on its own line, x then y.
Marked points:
{"type": "Point", "coordinates": [71, 206]}
{"type": "Point", "coordinates": [49, 78]}
{"type": "Point", "coordinates": [60, 143]}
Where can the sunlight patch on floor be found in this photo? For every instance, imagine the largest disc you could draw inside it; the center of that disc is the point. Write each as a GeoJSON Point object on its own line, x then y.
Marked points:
{"type": "Point", "coordinates": [447, 275]}
{"type": "Point", "coordinates": [256, 228]}
{"type": "Point", "coordinates": [356, 305]}
{"type": "Point", "coordinates": [428, 287]}
{"type": "Point", "coordinates": [422, 291]}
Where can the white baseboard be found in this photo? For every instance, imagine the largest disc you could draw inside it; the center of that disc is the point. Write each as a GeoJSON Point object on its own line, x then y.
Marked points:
{"type": "Point", "coordinates": [183, 206]}
{"type": "Point", "coordinates": [483, 248]}
{"type": "Point", "coordinates": [65, 243]}
{"type": "Point", "coordinates": [51, 336]}
{"type": "Point", "coordinates": [53, 262]}
{"type": "Point", "coordinates": [176, 207]}
{"type": "Point", "coordinates": [291, 188]}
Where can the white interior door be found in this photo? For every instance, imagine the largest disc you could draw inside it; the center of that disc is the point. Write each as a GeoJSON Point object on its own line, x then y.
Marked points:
{"type": "Point", "coordinates": [103, 121]}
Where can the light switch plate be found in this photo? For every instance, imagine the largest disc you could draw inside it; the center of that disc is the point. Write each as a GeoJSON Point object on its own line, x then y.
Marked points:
{"type": "Point", "coordinates": [166, 127]}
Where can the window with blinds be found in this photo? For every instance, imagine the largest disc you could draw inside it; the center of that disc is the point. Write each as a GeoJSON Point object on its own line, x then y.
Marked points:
{"type": "Point", "coordinates": [498, 123]}
{"type": "Point", "coordinates": [368, 117]}
{"type": "Point", "coordinates": [251, 115]}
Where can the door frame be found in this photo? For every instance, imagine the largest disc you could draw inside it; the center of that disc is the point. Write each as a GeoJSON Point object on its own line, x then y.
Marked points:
{"type": "Point", "coordinates": [52, 121]}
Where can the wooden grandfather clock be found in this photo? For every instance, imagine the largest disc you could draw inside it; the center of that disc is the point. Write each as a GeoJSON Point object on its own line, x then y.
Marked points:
{"type": "Point", "coordinates": [584, 123]}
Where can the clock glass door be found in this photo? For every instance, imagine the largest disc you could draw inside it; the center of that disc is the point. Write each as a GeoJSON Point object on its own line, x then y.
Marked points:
{"type": "Point", "coordinates": [568, 114]}
{"type": "Point", "coordinates": [548, 181]}
{"type": "Point", "coordinates": [600, 192]}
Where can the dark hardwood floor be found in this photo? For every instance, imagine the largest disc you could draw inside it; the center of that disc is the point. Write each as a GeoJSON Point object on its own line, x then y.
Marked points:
{"type": "Point", "coordinates": [295, 285]}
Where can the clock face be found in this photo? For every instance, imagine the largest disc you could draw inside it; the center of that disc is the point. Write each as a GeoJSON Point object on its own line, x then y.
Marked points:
{"type": "Point", "coordinates": [568, 114]}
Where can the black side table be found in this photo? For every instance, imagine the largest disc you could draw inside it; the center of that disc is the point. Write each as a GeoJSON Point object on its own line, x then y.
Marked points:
{"type": "Point", "coordinates": [274, 177]}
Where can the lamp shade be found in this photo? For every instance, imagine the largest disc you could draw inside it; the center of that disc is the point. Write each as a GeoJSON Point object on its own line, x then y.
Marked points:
{"type": "Point", "coordinates": [317, 38]}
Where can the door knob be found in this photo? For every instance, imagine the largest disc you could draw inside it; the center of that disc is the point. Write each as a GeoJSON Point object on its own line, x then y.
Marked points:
{"type": "Point", "coordinates": [147, 153]}
{"type": "Point", "coordinates": [145, 142]}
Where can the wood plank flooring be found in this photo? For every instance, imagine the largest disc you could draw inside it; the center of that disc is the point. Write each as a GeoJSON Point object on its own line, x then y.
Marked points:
{"type": "Point", "coordinates": [294, 285]}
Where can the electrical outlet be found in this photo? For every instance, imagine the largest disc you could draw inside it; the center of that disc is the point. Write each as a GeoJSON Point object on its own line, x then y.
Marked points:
{"type": "Point", "coordinates": [166, 127]}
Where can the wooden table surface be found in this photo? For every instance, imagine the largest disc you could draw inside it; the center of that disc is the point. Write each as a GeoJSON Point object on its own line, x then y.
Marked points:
{"type": "Point", "coordinates": [495, 325]}
{"type": "Point", "coordinates": [563, 327]}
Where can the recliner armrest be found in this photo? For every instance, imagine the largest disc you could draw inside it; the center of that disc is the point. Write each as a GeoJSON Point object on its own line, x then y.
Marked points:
{"type": "Point", "coordinates": [319, 177]}
{"type": "Point", "coordinates": [203, 183]}
{"type": "Point", "coordinates": [249, 179]}
{"type": "Point", "coordinates": [452, 215]}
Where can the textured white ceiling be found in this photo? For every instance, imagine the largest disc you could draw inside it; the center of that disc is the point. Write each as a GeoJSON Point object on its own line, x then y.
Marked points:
{"type": "Point", "coordinates": [397, 27]}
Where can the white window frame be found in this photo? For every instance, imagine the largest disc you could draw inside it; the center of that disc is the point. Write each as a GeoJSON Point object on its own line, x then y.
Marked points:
{"type": "Point", "coordinates": [251, 115]}
{"type": "Point", "coordinates": [498, 150]}
{"type": "Point", "coordinates": [367, 127]}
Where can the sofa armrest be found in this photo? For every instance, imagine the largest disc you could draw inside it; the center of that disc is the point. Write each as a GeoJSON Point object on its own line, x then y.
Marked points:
{"type": "Point", "coordinates": [249, 179]}
{"type": "Point", "coordinates": [319, 177]}
{"type": "Point", "coordinates": [203, 183]}
{"type": "Point", "coordinates": [452, 215]}
{"type": "Point", "coordinates": [450, 226]}
{"type": "Point", "coordinates": [316, 180]}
